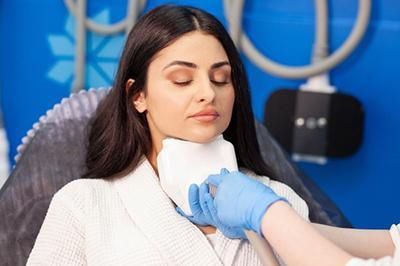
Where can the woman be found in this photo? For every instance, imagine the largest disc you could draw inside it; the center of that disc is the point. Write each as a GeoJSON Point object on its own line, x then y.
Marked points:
{"type": "Point", "coordinates": [179, 76]}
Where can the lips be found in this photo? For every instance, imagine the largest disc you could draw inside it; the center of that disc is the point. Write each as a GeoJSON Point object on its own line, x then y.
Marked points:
{"type": "Point", "coordinates": [206, 115]}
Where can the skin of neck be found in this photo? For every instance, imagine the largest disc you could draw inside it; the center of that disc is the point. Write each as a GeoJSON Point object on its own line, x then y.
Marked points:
{"type": "Point", "coordinates": [156, 143]}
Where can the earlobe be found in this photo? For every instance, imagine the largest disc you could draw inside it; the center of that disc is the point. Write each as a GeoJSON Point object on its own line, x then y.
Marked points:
{"type": "Point", "coordinates": [140, 102]}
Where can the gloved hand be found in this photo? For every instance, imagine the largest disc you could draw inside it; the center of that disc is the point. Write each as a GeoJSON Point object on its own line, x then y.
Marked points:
{"type": "Point", "coordinates": [204, 212]}
{"type": "Point", "coordinates": [240, 200]}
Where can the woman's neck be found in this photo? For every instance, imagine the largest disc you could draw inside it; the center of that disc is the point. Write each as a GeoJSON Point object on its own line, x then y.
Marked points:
{"type": "Point", "coordinates": [152, 157]}
{"type": "Point", "coordinates": [156, 143]}
{"type": "Point", "coordinates": [207, 230]}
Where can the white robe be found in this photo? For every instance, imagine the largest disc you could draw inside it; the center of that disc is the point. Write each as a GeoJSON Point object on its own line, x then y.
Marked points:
{"type": "Point", "coordinates": [131, 221]}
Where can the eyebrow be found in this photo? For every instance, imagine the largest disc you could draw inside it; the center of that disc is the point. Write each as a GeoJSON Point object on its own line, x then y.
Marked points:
{"type": "Point", "coordinates": [192, 65]}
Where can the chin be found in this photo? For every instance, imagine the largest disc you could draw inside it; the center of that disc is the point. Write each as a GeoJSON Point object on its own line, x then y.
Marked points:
{"type": "Point", "coordinates": [203, 137]}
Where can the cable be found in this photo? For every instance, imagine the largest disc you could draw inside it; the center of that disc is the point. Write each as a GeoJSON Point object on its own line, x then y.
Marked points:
{"type": "Point", "coordinates": [132, 14]}
{"type": "Point", "coordinates": [321, 82]}
{"type": "Point", "coordinates": [334, 59]}
{"type": "Point", "coordinates": [78, 9]}
{"type": "Point", "coordinates": [321, 31]}
{"type": "Point", "coordinates": [107, 29]}
{"type": "Point", "coordinates": [234, 18]}
{"type": "Point", "coordinates": [80, 61]}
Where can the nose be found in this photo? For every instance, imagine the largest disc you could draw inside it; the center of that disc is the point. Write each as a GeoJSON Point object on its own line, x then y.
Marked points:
{"type": "Point", "coordinates": [205, 92]}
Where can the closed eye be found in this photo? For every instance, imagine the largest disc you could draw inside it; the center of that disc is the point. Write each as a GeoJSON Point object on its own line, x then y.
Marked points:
{"type": "Point", "coordinates": [188, 82]}
{"type": "Point", "coordinates": [220, 83]}
{"type": "Point", "coordinates": [182, 83]}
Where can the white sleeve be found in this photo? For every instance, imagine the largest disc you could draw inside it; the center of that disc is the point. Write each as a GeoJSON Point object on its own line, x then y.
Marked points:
{"type": "Point", "coordinates": [385, 261]}
{"type": "Point", "coordinates": [61, 237]}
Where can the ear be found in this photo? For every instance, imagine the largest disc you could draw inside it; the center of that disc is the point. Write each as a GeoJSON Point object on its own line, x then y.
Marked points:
{"type": "Point", "coordinates": [139, 101]}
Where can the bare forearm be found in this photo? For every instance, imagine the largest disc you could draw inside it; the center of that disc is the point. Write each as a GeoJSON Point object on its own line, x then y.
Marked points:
{"type": "Point", "coordinates": [359, 243]}
{"type": "Point", "coordinates": [296, 241]}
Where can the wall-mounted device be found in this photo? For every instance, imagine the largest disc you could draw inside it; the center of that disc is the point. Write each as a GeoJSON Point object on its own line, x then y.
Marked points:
{"type": "Point", "coordinates": [314, 123]}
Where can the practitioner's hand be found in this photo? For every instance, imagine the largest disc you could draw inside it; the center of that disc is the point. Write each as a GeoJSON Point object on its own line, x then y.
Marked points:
{"type": "Point", "coordinates": [204, 212]}
{"type": "Point", "coordinates": [241, 201]}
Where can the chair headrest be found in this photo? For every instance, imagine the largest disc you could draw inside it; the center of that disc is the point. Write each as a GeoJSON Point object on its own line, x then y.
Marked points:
{"type": "Point", "coordinates": [76, 106]}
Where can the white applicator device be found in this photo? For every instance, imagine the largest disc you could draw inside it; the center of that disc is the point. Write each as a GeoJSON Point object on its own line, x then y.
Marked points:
{"type": "Point", "coordinates": [182, 163]}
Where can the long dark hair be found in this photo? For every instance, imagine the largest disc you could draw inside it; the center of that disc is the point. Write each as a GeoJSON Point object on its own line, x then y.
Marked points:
{"type": "Point", "coordinates": [119, 136]}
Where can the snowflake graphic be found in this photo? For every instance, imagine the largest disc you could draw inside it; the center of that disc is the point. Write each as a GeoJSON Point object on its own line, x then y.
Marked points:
{"type": "Point", "coordinates": [102, 54]}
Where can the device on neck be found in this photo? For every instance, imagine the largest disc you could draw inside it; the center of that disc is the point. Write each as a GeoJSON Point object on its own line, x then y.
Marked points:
{"type": "Point", "coordinates": [182, 163]}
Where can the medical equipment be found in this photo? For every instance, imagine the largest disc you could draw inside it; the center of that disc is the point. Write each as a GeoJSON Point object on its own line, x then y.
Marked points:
{"type": "Point", "coordinates": [182, 163]}
{"type": "Point", "coordinates": [314, 123]}
{"type": "Point", "coordinates": [334, 126]}
{"type": "Point", "coordinates": [233, 12]}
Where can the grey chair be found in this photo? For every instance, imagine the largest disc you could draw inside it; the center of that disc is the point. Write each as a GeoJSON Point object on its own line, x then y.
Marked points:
{"type": "Point", "coordinates": [53, 153]}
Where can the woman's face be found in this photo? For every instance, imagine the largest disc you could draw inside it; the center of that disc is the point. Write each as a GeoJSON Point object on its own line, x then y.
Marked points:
{"type": "Point", "coordinates": [189, 93]}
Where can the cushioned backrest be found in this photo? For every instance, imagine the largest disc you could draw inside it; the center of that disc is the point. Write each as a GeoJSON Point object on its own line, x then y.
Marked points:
{"type": "Point", "coordinates": [53, 154]}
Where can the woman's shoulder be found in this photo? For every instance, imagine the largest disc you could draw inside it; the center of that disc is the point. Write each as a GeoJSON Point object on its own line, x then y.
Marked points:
{"type": "Point", "coordinates": [84, 185]}
{"type": "Point", "coordinates": [278, 187]}
{"type": "Point", "coordinates": [263, 179]}
{"type": "Point", "coordinates": [83, 190]}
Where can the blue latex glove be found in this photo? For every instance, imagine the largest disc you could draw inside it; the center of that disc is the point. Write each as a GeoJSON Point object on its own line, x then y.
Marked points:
{"type": "Point", "coordinates": [241, 201]}
{"type": "Point", "coordinates": [204, 212]}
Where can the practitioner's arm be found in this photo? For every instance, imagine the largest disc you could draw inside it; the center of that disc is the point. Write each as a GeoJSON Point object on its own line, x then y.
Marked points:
{"type": "Point", "coordinates": [245, 202]}
{"type": "Point", "coordinates": [359, 243]}
{"type": "Point", "coordinates": [296, 241]}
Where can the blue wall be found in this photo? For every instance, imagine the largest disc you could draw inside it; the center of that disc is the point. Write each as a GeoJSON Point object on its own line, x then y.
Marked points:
{"type": "Point", "coordinates": [36, 51]}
